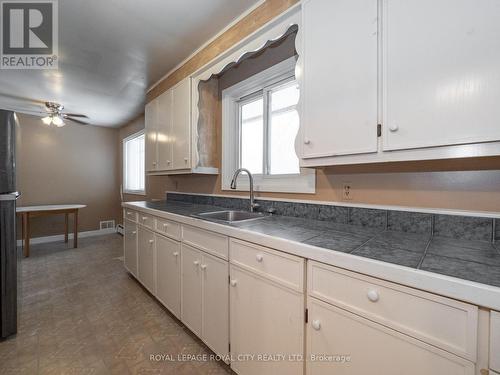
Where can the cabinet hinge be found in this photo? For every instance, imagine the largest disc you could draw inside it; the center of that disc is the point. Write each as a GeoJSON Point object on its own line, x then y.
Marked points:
{"type": "Point", "coordinates": [307, 315]}
{"type": "Point", "coordinates": [379, 130]}
{"type": "Point", "coordinates": [229, 279]}
{"type": "Point", "coordinates": [229, 345]}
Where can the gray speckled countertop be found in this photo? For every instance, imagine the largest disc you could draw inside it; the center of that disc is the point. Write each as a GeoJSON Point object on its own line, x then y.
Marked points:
{"type": "Point", "coordinates": [471, 260]}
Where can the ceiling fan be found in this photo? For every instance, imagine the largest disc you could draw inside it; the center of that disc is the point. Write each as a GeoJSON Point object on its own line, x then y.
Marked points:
{"type": "Point", "coordinates": [56, 116]}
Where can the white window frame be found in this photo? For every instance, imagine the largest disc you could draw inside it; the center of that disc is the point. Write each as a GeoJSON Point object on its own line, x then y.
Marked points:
{"type": "Point", "coordinates": [277, 75]}
{"type": "Point", "coordinates": [124, 159]}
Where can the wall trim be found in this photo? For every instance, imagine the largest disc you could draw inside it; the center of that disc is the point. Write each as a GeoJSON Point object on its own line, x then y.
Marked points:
{"type": "Point", "coordinates": [60, 237]}
{"type": "Point", "coordinates": [424, 210]}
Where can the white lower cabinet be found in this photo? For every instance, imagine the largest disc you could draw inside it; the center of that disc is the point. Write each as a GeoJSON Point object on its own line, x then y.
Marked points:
{"type": "Point", "coordinates": [146, 258]}
{"type": "Point", "coordinates": [266, 319]}
{"type": "Point", "coordinates": [191, 288]}
{"type": "Point", "coordinates": [495, 341]}
{"type": "Point", "coordinates": [205, 298]}
{"type": "Point", "coordinates": [342, 343]}
{"type": "Point", "coordinates": [168, 273]}
{"type": "Point", "coordinates": [130, 246]}
{"type": "Point", "coordinates": [215, 304]}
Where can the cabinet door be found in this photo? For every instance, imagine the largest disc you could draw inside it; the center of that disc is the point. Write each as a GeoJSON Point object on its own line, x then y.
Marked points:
{"type": "Point", "coordinates": [168, 274]}
{"type": "Point", "coordinates": [146, 255]}
{"type": "Point", "coordinates": [164, 138]}
{"type": "Point", "coordinates": [343, 343]}
{"type": "Point", "coordinates": [181, 125]}
{"type": "Point", "coordinates": [265, 318]}
{"type": "Point", "coordinates": [339, 81]}
{"type": "Point", "coordinates": [191, 288]}
{"type": "Point", "coordinates": [495, 341]}
{"type": "Point", "coordinates": [130, 246]}
{"type": "Point", "coordinates": [441, 76]}
{"type": "Point", "coordinates": [151, 126]}
{"type": "Point", "coordinates": [215, 304]}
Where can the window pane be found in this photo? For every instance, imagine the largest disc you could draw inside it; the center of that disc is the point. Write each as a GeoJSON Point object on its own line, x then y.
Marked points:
{"type": "Point", "coordinates": [283, 128]}
{"type": "Point", "coordinates": [252, 109]}
{"type": "Point", "coordinates": [284, 97]}
{"type": "Point", "coordinates": [134, 164]}
{"type": "Point", "coordinates": [252, 133]}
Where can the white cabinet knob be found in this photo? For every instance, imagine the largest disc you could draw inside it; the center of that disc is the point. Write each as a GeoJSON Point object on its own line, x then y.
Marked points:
{"type": "Point", "coordinates": [168, 161]}
{"type": "Point", "coordinates": [394, 128]}
{"type": "Point", "coordinates": [176, 254]}
{"type": "Point", "coordinates": [203, 267]}
{"type": "Point", "coordinates": [259, 257]}
{"type": "Point", "coordinates": [165, 225]}
{"type": "Point", "coordinates": [233, 282]}
{"type": "Point", "coordinates": [196, 262]}
{"type": "Point", "coordinates": [154, 163]}
{"type": "Point", "coordinates": [151, 241]}
{"type": "Point", "coordinates": [186, 159]}
{"type": "Point", "coordinates": [316, 324]}
{"type": "Point", "coordinates": [144, 218]}
{"type": "Point", "coordinates": [373, 295]}
{"type": "Point", "coordinates": [307, 141]}
{"type": "Point", "coordinates": [134, 232]}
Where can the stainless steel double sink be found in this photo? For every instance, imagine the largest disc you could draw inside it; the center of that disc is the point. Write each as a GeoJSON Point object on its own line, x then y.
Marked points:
{"type": "Point", "coordinates": [230, 216]}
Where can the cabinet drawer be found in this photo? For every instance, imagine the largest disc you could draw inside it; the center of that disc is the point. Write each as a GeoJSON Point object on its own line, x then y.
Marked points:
{"type": "Point", "coordinates": [371, 348]}
{"type": "Point", "coordinates": [445, 323]}
{"type": "Point", "coordinates": [169, 228]}
{"type": "Point", "coordinates": [280, 267]}
{"type": "Point", "coordinates": [210, 242]}
{"type": "Point", "coordinates": [147, 220]}
{"type": "Point", "coordinates": [495, 341]}
{"type": "Point", "coordinates": [130, 214]}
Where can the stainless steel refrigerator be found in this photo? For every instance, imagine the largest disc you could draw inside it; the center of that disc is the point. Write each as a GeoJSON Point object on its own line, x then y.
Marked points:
{"type": "Point", "coordinates": [8, 247]}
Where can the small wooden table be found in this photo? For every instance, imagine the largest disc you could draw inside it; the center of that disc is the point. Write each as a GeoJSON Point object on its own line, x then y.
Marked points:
{"type": "Point", "coordinates": [33, 211]}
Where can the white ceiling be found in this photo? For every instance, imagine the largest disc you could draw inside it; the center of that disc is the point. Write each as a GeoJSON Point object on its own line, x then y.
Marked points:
{"type": "Point", "coordinates": [111, 51]}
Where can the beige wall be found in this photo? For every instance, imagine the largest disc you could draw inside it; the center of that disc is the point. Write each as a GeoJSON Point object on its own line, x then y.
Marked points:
{"type": "Point", "coordinates": [72, 164]}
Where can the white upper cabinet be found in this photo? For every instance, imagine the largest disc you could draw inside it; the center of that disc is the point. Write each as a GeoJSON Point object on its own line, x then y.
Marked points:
{"type": "Point", "coordinates": [441, 72]}
{"type": "Point", "coordinates": [181, 122]}
{"type": "Point", "coordinates": [164, 131]}
{"type": "Point", "coordinates": [339, 78]}
{"type": "Point", "coordinates": [151, 125]}
{"type": "Point", "coordinates": [169, 133]}
{"type": "Point", "coordinates": [425, 70]}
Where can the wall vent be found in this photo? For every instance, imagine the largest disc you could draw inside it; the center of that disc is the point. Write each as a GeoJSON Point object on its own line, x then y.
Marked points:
{"type": "Point", "coordinates": [107, 224]}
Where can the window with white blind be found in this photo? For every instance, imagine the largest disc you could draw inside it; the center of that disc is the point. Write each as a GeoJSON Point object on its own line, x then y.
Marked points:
{"type": "Point", "coordinates": [133, 164]}
{"type": "Point", "coordinates": [259, 126]}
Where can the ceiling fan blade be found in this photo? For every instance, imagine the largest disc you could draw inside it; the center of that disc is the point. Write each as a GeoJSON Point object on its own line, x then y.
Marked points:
{"type": "Point", "coordinates": [76, 120]}
{"type": "Point", "coordinates": [74, 115]}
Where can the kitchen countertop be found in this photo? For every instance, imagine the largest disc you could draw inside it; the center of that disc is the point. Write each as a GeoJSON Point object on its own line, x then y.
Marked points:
{"type": "Point", "coordinates": [406, 258]}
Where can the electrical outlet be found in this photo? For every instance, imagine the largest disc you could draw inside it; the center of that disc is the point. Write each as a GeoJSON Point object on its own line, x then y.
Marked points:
{"type": "Point", "coordinates": [347, 192]}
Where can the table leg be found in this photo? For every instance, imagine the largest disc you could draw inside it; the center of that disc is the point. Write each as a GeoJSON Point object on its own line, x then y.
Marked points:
{"type": "Point", "coordinates": [66, 228]}
{"type": "Point", "coordinates": [75, 235]}
{"type": "Point", "coordinates": [26, 232]}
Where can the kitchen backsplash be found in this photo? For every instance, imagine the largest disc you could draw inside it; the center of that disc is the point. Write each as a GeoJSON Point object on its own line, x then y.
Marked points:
{"type": "Point", "coordinates": [441, 225]}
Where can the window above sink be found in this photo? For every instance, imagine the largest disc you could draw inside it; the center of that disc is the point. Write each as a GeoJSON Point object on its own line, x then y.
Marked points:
{"type": "Point", "coordinates": [259, 126]}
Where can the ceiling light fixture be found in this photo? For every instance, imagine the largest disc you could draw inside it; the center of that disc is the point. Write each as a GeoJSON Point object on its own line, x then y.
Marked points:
{"type": "Point", "coordinates": [58, 121]}
{"type": "Point", "coordinates": [47, 120]}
